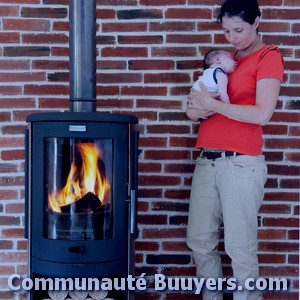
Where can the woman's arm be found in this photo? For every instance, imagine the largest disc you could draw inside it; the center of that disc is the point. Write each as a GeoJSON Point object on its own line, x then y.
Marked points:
{"type": "Point", "coordinates": [267, 92]}
{"type": "Point", "coordinates": [197, 114]}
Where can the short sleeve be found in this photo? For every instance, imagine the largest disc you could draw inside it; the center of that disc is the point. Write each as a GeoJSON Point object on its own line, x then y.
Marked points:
{"type": "Point", "coordinates": [270, 64]}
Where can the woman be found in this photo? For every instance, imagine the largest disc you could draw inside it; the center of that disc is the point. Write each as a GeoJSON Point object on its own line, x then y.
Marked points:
{"type": "Point", "coordinates": [230, 172]}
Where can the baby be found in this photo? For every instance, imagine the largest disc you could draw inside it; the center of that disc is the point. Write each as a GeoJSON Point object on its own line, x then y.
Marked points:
{"type": "Point", "coordinates": [217, 64]}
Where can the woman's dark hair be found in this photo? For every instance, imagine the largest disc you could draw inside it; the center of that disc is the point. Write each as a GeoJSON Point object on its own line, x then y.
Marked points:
{"type": "Point", "coordinates": [247, 10]}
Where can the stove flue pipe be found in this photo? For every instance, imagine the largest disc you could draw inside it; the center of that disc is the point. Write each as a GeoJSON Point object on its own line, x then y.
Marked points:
{"type": "Point", "coordinates": [82, 42]}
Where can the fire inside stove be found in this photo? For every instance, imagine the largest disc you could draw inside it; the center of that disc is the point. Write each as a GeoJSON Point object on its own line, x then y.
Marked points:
{"type": "Point", "coordinates": [78, 188]}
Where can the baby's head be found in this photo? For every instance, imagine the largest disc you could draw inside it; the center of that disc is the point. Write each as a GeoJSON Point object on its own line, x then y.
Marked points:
{"type": "Point", "coordinates": [220, 58]}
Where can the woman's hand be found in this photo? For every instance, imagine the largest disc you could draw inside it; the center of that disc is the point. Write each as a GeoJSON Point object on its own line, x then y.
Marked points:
{"type": "Point", "coordinates": [200, 99]}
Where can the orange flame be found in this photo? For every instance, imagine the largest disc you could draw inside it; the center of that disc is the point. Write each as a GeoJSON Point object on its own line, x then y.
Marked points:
{"type": "Point", "coordinates": [82, 181]}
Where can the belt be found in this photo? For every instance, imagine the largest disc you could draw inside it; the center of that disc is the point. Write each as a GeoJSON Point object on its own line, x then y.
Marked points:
{"type": "Point", "coordinates": [218, 154]}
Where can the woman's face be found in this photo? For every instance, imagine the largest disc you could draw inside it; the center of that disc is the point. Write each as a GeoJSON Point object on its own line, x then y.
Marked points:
{"type": "Point", "coordinates": [238, 32]}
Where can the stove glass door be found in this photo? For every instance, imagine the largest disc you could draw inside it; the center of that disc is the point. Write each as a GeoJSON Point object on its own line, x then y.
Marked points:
{"type": "Point", "coordinates": [78, 187]}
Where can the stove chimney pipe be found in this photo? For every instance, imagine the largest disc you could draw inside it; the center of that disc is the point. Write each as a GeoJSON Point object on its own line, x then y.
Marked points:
{"type": "Point", "coordinates": [82, 42]}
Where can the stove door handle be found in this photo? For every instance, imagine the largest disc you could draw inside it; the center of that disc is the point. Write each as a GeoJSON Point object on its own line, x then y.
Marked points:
{"type": "Point", "coordinates": [134, 184]}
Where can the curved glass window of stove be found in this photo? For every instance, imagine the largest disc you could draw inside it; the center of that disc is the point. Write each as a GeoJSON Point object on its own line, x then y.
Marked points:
{"type": "Point", "coordinates": [78, 187]}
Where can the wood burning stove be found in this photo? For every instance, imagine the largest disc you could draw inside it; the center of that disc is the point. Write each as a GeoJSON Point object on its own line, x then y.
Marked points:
{"type": "Point", "coordinates": [81, 178]}
{"type": "Point", "coordinates": [81, 195]}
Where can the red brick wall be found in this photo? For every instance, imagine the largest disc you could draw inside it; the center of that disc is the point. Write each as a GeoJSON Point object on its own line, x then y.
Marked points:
{"type": "Point", "coordinates": [148, 57]}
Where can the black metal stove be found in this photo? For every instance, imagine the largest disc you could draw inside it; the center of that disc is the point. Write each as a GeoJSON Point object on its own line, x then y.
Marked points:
{"type": "Point", "coordinates": [81, 177]}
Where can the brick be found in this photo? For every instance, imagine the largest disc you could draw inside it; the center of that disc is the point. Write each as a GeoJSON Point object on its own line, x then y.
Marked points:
{"type": "Point", "coordinates": [174, 246]}
{"type": "Point", "coordinates": [9, 221]}
{"type": "Point", "coordinates": [195, 13]}
{"type": "Point", "coordinates": [22, 245]}
{"type": "Point", "coordinates": [272, 234]}
{"type": "Point", "coordinates": [174, 51]}
{"type": "Point", "coordinates": [153, 142]}
{"type": "Point", "coordinates": [290, 91]}
{"type": "Point", "coordinates": [124, 52]}
{"type": "Point", "coordinates": [278, 246]}
{"type": "Point", "coordinates": [146, 246]}
{"type": "Point", "coordinates": [271, 183]}
{"type": "Point", "coordinates": [164, 233]}
{"type": "Point", "coordinates": [105, 40]}
{"type": "Point", "coordinates": [9, 11]}
{"type": "Point", "coordinates": [145, 91]}
{"type": "Point", "coordinates": [6, 64]}
{"type": "Point", "coordinates": [292, 104]}
{"type": "Point", "coordinates": [189, 38]}
{"type": "Point", "coordinates": [53, 103]}
{"type": "Point", "coordinates": [8, 194]}
{"type": "Point", "coordinates": [170, 206]}
{"type": "Point", "coordinates": [274, 27]}
{"type": "Point", "coordinates": [26, 25]}
{"type": "Point", "coordinates": [119, 78]}
{"type": "Point", "coordinates": [292, 156]}
{"type": "Point", "coordinates": [140, 39]}
{"type": "Point", "coordinates": [50, 64]}
{"type": "Point", "coordinates": [27, 51]}
{"type": "Point", "coordinates": [293, 259]}
{"type": "Point", "coordinates": [125, 27]}
{"type": "Point", "coordinates": [7, 294]}
{"type": "Point", "coordinates": [152, 219]}
{"type": "Point", "coordinates": [22, 77]}
{"type": "Point", "coordinates": [165, 155]}
{"type": "Point", "coordinates": [292, 65]}
{"type": "Point", "coordinates": [171, 129]}
{"type": "Point", "coordinates": [164, 259]}
{"type": "Point", "coordinates": [178, 271]}
{"type": "Point", "coordinates": [293, 234]}
{"type": "Point", "coordinates": [40, 38]}
{"type": "Point", "coordinates": [31, 89]}
{"type": "Point", "coordinates": [6, 270]}
{"type": "Point", "coordinates": [275, 209]}
{"type": "Point", "coordinates": [13, 257]}
{"type": "Point", "coordinates": [177, 194]}
{"type": "Point", "coordinates": [13, 155]}
{"type": "Point", "coordinates": [150, 167]}
{"type": "Point", "coordinates": [5, 245]}
{"type": "Point", "coordinates": [178, 220]}
{"type": "Point", "coordinates": [58, 77]}
{"type": "Point", "coordinates": [157, 180]}
{"type": "Point", "coordinates": [167, 78]}
{"type": "Point", "coordinates": [290, 183]}
{"type": "Point", "coordinates": [282, 14]}
{"type": "Point", "coordinates": [13, 232]}
{"type": "Point", "coordinates": [275, 129]}
{"type": "Point", "coordinates": [44, 12]}
{"type": "Point", "coordinates": [108, 90]}
{"type": "Point", "coordinates": [8, 167]}
{"type": "Point", "coordinates": [271, 259]}
{"type": "Point", "coordinates": [170, 26]}
{"type": "Point", "coordinates": [155, 104]}
{"type": "Point", "coordinates": [58, 2]}
{"type": "Point", "coordinates": [172, 116]}
{"type": "Point", "coordinates": [59, 51]}
{"type": "Point", "coordinates": [9, 37]}
{"type": "Point", "coordinates": [139, 14]}
{"type": "Point", "coordinates": [295, 28]}
{"type": "Point", "coordinates": [283, 170]}
{"type": "Point", "coordinates": [278, 271]}
{"type": "Point", "coordinates": [105, 14]}
{"type": "Point", "coordinates": [150, 193]}
{"type": "Point", "coordinates": [11, 142]}
{"type": "Point", "coordinates": [281, 222]}
{"type": "Point", "coordinates": [60, 26]}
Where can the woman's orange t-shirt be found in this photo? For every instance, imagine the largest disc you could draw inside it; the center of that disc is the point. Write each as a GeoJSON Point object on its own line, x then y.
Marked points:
{"type": "Point", "coordinates": [220, 132]}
